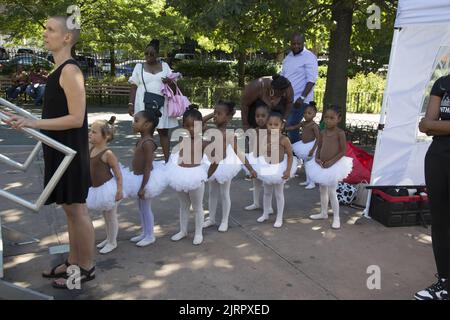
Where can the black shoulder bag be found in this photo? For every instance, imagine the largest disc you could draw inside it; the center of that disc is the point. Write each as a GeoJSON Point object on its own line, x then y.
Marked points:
{"type": "Point", "coordinates": [152, 101]}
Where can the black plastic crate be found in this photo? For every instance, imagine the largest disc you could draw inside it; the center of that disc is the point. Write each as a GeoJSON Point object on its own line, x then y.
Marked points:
{"type": "Point", "coordinates": [399, 211]}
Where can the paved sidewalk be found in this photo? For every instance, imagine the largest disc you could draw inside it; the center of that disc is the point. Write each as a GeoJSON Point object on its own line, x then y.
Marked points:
{"type": "Point", "coordinates": [304, 259]}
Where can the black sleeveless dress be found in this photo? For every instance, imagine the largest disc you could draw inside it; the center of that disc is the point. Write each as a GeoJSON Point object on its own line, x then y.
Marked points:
{"type": "Point", "coordinates": [74, 184]}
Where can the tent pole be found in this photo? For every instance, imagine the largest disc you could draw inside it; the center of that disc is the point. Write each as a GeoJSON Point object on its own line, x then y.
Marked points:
{"type": "Point", "coordinates": [384, 109]}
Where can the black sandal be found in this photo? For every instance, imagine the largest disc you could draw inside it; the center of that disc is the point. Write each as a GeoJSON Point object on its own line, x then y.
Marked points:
{"type": "Point", "coordinates": [85, 275]}
{"type": "Point", "coordinates": [52, 273]}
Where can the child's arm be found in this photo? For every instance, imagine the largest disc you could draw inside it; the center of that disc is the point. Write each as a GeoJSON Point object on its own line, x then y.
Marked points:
{"type": "Point", "coordinates": [148, 149]}
{"type": "Point", "coordinates": [319, 147]}
{"type": "Point", "coordinates": [243, 159]}
{"type": "Point", "coordinates": [295, 127]}
{"type": "Point", "coordinates": [113, 163]}
{"type": "Point", "coordinates": [288, 149]}
{"type": "Point", "coordinates": [208, 117]}
{"type": "Point", "coordinates": [213, 166]}
{"type": "Point", "coordinates": [342, 149]}
{"type": "Point", "coordinates": [317, 135]}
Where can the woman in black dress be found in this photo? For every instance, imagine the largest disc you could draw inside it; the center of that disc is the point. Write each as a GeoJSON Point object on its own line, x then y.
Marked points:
{"type": "Point", "coordinates": [437, 175]}
{"type": "Point", "coordinates": [64, 118]}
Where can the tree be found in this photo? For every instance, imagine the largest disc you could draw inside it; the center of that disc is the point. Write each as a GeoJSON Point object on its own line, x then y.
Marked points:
{"type": "Point", "coordinates": [236, 25]}
{"type": "Point", "coordinates": [106, 24]}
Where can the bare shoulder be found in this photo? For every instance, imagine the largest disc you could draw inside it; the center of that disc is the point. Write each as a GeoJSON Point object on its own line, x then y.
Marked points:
{"type": "Point", "coordinates": [340, 132]}
{"type": "Point", "coordinates": [70, 75]}
{"type": "Point", "coordinates": [285, 140]}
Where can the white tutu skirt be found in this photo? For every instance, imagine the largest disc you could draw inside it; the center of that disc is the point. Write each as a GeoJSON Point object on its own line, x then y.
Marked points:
{"type": "Point", "coordinates": [329, 176]}
{"type": "Point", "coordinates": [185, 179]}
{"type": "Point", "coordinates": [254, 162]}
{"type": "Point", "coordinates": [155, 185]}
{"type": "Point", "coordinates": [102, 198]}
{"type": "Point", "coordinates": [301, 150]}
{"type": "Point", "coordinates": [228, 168]}
{"type": "Point", "coordinates": [273, 173]}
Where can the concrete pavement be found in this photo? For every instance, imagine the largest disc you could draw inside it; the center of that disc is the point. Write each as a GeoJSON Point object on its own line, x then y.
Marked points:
{"type": "Point", "coordinates": [304, 259]}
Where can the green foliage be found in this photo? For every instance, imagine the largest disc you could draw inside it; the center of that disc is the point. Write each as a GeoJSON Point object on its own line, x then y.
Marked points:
{"type": "Point", "coordinates": [205, 69]}
{"type": "Point", "coordinates": [259, 68]}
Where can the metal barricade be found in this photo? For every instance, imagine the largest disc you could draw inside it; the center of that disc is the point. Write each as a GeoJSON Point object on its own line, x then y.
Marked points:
{"type": "Point", "coordinates": [7, 289]}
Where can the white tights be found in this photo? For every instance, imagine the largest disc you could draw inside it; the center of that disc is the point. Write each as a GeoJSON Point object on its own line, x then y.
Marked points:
{"type": "Point", "coordinates": [270, 189]}
{"type": "Point", "coordinates": [112, 229]}
{"type": "Point", "coordinates": [215, 190]}
{"type": "Point", "coordinates": [328, 194]}
{"type": "Point", "coordinates": [194, 197]}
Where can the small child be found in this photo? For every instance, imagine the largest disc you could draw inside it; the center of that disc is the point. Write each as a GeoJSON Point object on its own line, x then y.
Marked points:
{"type": "Point", "coordinates": [147, 179]}
{"type": "Point", "coordinates": [330, 165]}
{"type": "Point", "coordinates": [228, 164]}
{"type": "Point", "coordinates": [187, 171]}
{"type": "Point", "coordinates": [276, 167]}
{"type": "Point", "coordinates": [261, 116]}
{"type": "Point", "coordinates": [306, 148]}
{"type": "Point", "coordinates": [106, 190]}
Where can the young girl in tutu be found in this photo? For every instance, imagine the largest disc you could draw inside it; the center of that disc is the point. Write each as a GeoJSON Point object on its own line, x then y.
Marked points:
{"type": "Point", "coordinates": [305, 148]}
{"type": "Point", "coordinates": [228, 163]}
{"type": "Point", "coordinates": [261, 116]}
{"type": "Point", "coordinates": [330, 165]}
{"type": "Point", "coordinates": [106, 190]}
{"type": "Point", "coordinates": [187, 171]}
{"type": "Point", "coordinates": [147, 178]}
{"type": "Point", "coordinates": [275, 167]}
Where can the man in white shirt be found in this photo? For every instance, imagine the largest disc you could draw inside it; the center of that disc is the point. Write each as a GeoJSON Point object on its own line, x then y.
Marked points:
{"type": "Point", "coordinates": [301, 68]}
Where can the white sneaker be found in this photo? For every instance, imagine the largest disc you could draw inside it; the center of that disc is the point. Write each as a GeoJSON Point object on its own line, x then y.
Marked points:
{"type": "Point", "coordinates": [252, 207]}
{"type": "Point", "coordinates": [197, 240]}
{"type": "Point", "coordinates": [108, 248]}
{"type": "Point", "coordinates": [180, 235]}
{"type": "Point", "coordinates": [434, 292]}
{"type": "Point", "coordinates": [137, 238]}
{"type": "Point", "coordinates": [102, 244]}
{"type": "Point", "coordinates": [146, 241]}
{"type": "Point", "coordinates": [319, 216]}
{"type": "Point", "coordinates": [303, 183]}
{"type": "Point", "coordinates": [310, 186]}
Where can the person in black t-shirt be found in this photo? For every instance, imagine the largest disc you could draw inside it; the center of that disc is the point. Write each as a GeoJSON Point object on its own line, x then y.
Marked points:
{"type": "Point", "coordinates": [437, 175]}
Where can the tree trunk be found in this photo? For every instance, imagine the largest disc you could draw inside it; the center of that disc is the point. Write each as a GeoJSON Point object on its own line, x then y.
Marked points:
{"type": "Point", "coordinates": [241, 69]}
{"type": "Point", "coordinates": [112, 56]}
{"type": "Point", "coordinates": [339, 53]}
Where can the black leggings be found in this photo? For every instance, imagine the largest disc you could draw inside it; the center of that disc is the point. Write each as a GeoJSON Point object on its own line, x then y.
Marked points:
{"type": "Point", "coordinates": [437, 176]}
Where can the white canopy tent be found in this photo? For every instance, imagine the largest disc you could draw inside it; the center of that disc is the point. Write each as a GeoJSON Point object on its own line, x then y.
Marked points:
{"type": "Point", "coordinates": [420, 54]}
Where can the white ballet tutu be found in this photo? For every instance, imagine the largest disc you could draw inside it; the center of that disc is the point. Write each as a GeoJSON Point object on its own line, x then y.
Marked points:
{"type": "Point", "coordinates": [254, 162]}
{"type": "Point", "coordinates": [102, 198]}
{"type": "Point", "coordinates": [273, 173]}
{"type": "Point", "coordinates": [301, 150]}
{"type": "Point", "coordinates": [185, 179]}
{"type": "Point", "coordinates": [155, 185]}
{"type": "Point", "coordinates": [329, 176]}
{"type": "Point", "coordinates": [228, 168]}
